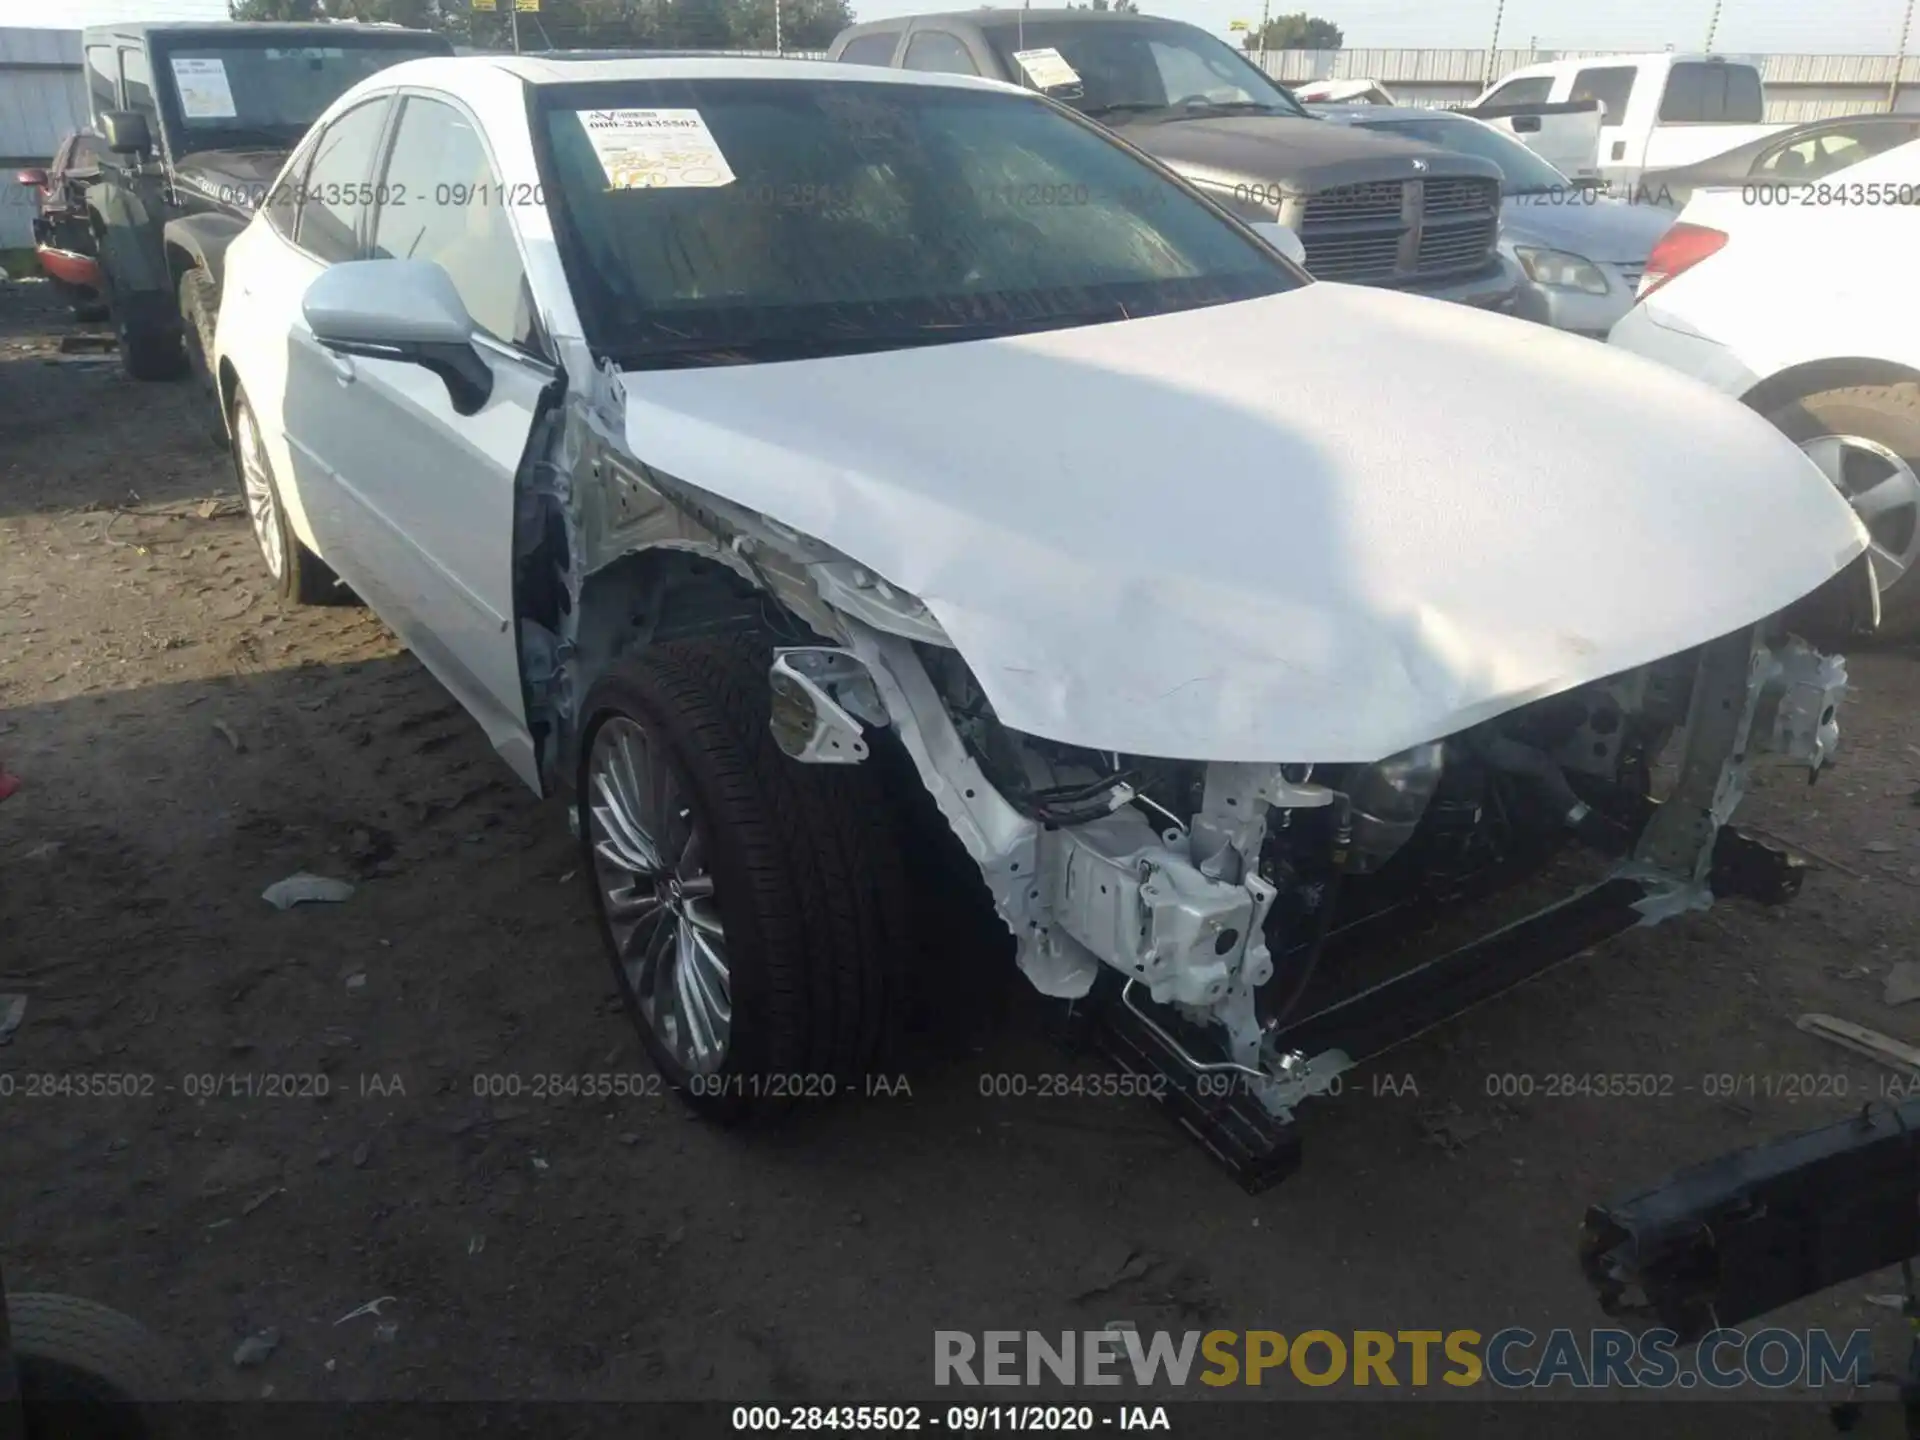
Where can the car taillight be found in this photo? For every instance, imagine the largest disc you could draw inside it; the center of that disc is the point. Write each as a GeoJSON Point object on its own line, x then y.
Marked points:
{"type": "Point", "coordinates": [1680, 249]}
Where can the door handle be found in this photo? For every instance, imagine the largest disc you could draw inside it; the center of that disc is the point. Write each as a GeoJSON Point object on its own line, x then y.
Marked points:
{"type": "Point", "coordinates": [343, 370]}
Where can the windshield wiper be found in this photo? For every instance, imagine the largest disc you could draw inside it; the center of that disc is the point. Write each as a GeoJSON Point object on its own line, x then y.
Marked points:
{"type": "Point", "coordinates": [1256, 107]}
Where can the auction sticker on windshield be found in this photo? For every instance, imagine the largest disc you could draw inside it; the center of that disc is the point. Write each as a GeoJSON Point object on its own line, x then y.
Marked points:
{"type": "Point", "coordinates": [204, 92]}
{"type": "Point", "coordinates": [655, 149]}
{"type": "Point", "coordinates": [1047, 68]}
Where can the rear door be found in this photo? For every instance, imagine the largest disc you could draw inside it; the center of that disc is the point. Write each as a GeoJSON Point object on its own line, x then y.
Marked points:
{"type": "Point", "coordinates": [313, 221]}
{"type": "Point", "coordinates": [1612, 87]}
{"type": "Point", "coordinates": [432, 491]}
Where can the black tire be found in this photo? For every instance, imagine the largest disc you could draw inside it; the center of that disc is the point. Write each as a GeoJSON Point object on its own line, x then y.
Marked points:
{"type": "Point", "coordinates": [87, 1372]}
{"type": "Point", "coordinates": [807, 880]}
{"type": "Point", "coordinates": [147, 351]}
{"type": "Point", "coordinates": [199, 308]}
{"type": "Point", "coordinates": [304, 578]}
{"type": "Point", "coordinates": [1888, 415]}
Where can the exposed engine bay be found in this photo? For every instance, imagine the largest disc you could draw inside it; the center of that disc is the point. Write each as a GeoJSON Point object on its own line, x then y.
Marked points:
{"type": "Point", "coordinates": [1211, 890]}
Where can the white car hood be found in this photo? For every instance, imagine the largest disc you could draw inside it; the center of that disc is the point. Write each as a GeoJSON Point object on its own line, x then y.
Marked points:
{"type": "Point", "coordinates": [1321, 526]}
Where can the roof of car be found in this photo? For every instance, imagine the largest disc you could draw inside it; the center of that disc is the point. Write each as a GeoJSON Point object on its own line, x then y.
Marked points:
{"type": "Point", "coordinates": [998, 18]}
{"type": "Point", "coordinates": [569, 68]}
{"type": "Point", "coordinates": [244, 27]}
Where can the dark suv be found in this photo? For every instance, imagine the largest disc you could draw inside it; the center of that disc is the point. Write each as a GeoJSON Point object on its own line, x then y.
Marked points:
{"type": "Point", "coordinates": [198, 120]}
{"type": "Point", "coordinates": [1368, 209]}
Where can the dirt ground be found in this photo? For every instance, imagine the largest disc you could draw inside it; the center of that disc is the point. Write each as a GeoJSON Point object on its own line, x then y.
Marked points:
{"type": "Point", "coordinates": [184, 741]}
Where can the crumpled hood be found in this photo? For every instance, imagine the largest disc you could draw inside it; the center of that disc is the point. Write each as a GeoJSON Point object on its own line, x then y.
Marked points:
{"type": "Point", "coordinates": [1320, 526]}
{"type": "Point", "coordinates": [1598, 228]}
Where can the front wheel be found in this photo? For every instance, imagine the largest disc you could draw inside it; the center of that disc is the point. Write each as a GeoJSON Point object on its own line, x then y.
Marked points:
{"type": "Point", "coordinates": [199, 308]}
{"type": "Point", "coordinates": [753, 907]}
{"type": "Point", "coordinates": [1866, 441]}
{"type": "Point", "coordinates": [149, 349]}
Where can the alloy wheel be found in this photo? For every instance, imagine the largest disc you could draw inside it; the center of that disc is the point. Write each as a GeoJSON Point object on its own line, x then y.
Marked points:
{"type": "Point", "coordinates": [1883, 491]}
{"type": "Point", "coordinates": [262, 508]}
{"type": "Point", "coordinates": [651, 864]}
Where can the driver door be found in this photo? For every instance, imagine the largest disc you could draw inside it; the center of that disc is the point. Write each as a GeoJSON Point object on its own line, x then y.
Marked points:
{"type": "Point", "coordinates": [426, 493]}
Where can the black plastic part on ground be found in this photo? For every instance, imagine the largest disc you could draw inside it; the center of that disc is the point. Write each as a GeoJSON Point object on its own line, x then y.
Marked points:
{"type": "Point", "coordinates": [1745, 1234]}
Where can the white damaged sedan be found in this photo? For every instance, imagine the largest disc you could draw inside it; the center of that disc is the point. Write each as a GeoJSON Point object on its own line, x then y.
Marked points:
{"type": "Point", "coordinates": [812, 468]}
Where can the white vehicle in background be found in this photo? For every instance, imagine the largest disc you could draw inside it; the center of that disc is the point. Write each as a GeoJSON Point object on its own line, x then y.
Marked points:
{"type": "Point", "coordinates": [1800, 300]}
{"type": "Point", "coordinates": [1343, 92]}
{"type": "Point", "coordinates": [1658, 111]}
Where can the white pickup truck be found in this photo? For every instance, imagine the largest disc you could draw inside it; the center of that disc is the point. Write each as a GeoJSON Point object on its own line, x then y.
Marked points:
{"type": "Point", "coordinates": [1656, 111]}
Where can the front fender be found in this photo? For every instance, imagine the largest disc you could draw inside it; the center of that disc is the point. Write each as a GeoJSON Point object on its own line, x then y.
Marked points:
{"type": "Point", "coordinates": [204, 239]}
{"type": "Point", "coordinates": [134, 263]}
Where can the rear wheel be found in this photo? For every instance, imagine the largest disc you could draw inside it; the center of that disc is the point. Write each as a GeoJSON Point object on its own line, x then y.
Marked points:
{"type": "Point", "coordinates": [753, 907]}
{"type": "Point", "coordinates": [298, 574]}
{"type": "Point", "coordinates": [1866, 440]}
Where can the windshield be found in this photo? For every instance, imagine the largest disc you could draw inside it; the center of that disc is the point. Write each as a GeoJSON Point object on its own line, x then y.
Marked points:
{"type": "Point", "coordinates": [1523, 172]}
{"type": "Point", "coordinates": [228, 96]}
{"type": "Point", "coordinates": [1114, 67]}
{"type": "Point", "coordinates": [725, 221]}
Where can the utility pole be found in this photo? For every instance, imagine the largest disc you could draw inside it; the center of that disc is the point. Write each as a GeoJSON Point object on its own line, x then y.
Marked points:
{"type": "Point", "coordinates": [1713, 24]}
{"type": "Point", "coordinates": [778, 48]}
{"type": "Point", "coordinates": [1899, 60]}
{"type": "Point", "coordinates": [1499, 13]}
{"type": "Point", "coordinates": [513, 21]}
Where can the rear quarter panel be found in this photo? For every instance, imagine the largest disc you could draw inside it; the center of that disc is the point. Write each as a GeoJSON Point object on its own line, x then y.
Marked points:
{"type": "Point", "coordinates": [1803, 281]}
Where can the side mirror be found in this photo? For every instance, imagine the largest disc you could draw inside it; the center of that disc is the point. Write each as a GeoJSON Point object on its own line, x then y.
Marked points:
{"type": "Point", "coordinates": [127, 132]}
{"type": "Point", "coordinates": [405, 310]}
{"type": "Point", "coordinates": [1282, 238]}
{"type": "Point", "coordinates": [35, 178]}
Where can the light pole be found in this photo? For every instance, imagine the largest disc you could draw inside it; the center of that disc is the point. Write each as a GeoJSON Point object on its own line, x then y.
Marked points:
{"type": "Point", "coordinates": [1899, 60]}
{"type": "Point", "coordinates": [1499, 13]}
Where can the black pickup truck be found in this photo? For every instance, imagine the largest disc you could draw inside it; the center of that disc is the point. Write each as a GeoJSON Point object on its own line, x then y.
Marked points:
{"type": "Point", "coordinates": [1367, 209]}
{"type": "Point", "coordinates": [198, 120]}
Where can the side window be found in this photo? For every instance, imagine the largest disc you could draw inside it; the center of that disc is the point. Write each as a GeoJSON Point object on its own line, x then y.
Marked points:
{"type": "Point", "coordinates": [1610, 85]}
{"type": "Point", "coordinates": [1533, 90]}
{"type": "Point", "coordinates": [1184, 74]}
{"type": "Point", "coordinates": [870, 49]}
{"type": "Point", "coordinates": [1742, 103]}
{"type": "Point", "coordinates": [441, 201]}
{"type": "Point", "coordinates": [103, 78]}
{"type": "Point", "coordinates": [84, 158]}
{"type": "Point", "coordinates": [282, 204]}
{"type": "Point", "coordinates": [136, 77]}
{"type": "Point", "coordinates": [940, 52]}
{"type": "Point", "coordinates": [1700, 93]}
{"type": "Point", "coordinates": [330, 206]}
